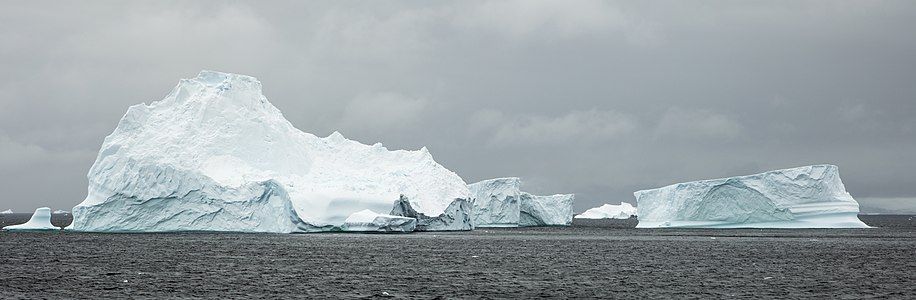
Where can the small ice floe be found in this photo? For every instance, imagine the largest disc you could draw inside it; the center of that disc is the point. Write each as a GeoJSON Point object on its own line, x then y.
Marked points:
{"type": "Point", "coordinates": [41, 220]}
{"type": "Point", "coordinates": [768, 278]}
{"type": "Point", "coordinates": [474, 256]}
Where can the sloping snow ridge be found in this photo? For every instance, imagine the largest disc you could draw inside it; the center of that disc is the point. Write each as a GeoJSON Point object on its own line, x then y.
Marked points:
{"type": "Point", "coordinates": [501, 203]}
{"type": "Point", "coordinates": [215, 155]}
{"type": "Point", "coordinates": [8, 211]}
{"type": "Point", "coordinates": [41, 220]}
{"type": "Point", "coordinates": [609, 211]}
{"type": "Point", "coordinates": [803, 197]}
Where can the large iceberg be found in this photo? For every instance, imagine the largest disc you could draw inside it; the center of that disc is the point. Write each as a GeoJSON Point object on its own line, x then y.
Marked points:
{"type": "Point", "coordinates": [501, 203]}
{"type": "Point", "coordinates": [41, 220]}
{"type": "Point", "coordinates": [609, 211]}
{"type": "Point", "coordinates": [804, 197]}
{"type": "Point", "coordinates": [215, 155]}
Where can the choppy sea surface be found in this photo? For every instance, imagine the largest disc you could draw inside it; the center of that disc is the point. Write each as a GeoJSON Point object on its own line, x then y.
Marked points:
{"type": "Point", "coordinates": [592, 259]}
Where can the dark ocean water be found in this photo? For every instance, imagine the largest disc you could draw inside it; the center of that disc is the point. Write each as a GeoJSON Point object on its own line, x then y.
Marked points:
{"type": "Point", "coordinates": [608, 259]}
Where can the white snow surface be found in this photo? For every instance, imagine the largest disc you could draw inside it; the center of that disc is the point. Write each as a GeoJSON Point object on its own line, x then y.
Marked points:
{"type": "Point", "coordinates": [41, 220]}
{"type": "Point", "coordinates": [215, 155]}
{"type": "Point", "coordinates": [501, 203]}
{"type": "Point", "coordinates": [609, 211]}
{"type": "Point", "coordinates": [496, 202]}
{"type": "Point", "coordinates": [803, 197]}
{"type": "Point", "coordinates": [8, 211]}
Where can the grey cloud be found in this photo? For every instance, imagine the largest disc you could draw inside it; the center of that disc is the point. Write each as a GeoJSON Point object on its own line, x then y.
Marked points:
{"type": "Point", "coordinates": [692, 123]}
{"type": "Point", "coordinates": [575, 126]}
{"type": "Point", "coordinates": [600, 98]}
{"type": "Point", "coordinates": [384, 111]}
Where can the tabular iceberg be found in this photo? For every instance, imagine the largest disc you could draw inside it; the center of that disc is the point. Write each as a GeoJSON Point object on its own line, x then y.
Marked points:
{"type": "Point", "coordinates": [609, 211]}
{"type": "Point", "coordinates": [215, 155]}
{"type": "Point", "coordinates": [501, 203]}
{"type": "Point", "coordinates": [41, 220]}
{"type": "Point", "coordinates": [804, 197]}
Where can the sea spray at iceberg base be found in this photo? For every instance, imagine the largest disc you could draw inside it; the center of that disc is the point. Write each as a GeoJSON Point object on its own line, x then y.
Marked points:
{"type": "Point", "coordinates": [501, 203]}
{"type": "Point", "coordinates": [804, 197]}
{"type": "Point", "coordinates": [215, 155]}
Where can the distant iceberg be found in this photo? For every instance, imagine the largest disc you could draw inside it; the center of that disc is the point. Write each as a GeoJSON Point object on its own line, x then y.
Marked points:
{"type": "Point", "coordinates": [6, 212]}
{"type": "Point", "coordinates": [804, 197]}
{"type": "Point", "coordinates": [61, 211]}
{"type": "Point", "coordinates": [215, 155]}
{"type": "Point", "coordinates": [609, 211]}
{"type": "Point", "coordinates": [41, 220]}
{"type": "Point", "coordinates": [501, 203]}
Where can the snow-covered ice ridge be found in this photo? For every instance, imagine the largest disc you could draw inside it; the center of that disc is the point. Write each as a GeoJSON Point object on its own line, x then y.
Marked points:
{"type": "Point", "coordinates": [803, 197]}
{"type": "Point", "coordinates": [501, 203]}
{"type": "Point", "coordinates": [40, 220]}
{"type": "Point", "coordinates": [215, 155]}
{"type": "Point", "coordinates": [609, 211]}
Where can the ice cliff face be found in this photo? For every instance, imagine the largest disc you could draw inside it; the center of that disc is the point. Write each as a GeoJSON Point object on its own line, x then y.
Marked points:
{"type": "Point", "coordinates": [804, 197]}
{"type": "Point", "coordinates": [555, 210]}
{"type": "Point", "coordinates": [457, 216]}
{"type": "Point", "coordinates": [41, 220]}
{"type": "Point", "coordinates": [501, 203]}
{"type": "Point", "coordinates": [497, 202]}
{"type": "Point", "coordinates": [608, 211]}
{"type": "Point", "coordinates": [215, 155]}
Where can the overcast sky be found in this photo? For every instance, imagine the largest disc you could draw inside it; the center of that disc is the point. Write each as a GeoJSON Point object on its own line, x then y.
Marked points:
{"type": "Point", "coordinates": [589, 97]}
